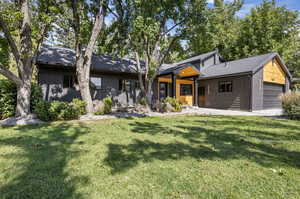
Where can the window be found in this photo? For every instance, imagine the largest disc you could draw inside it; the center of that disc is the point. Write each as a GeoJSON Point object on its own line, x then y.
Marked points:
{"type": "Point", "coordinates": [96, 82]}
{"type": "Point", "coordinates": [186, 89]}
{"type": "Point", "coordinates": [201, 91]}
{"type": "Point", "coordinates": [69, 81]}
{"type": "Point", "coordinates": [225, 87]}
{"type": "Point", "coordinates": [128, 85]}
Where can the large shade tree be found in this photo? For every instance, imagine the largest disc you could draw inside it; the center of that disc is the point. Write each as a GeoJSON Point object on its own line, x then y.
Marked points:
{"type": "Point", "coordinates": [149, 30]}
{"type": "Point", "coordinates": [220, 29]}
{"type": "Point", "coordinates": [23, 24]}
{"type": "Point", "coordinates": [82, 23]}
{"type": "Point", "coordinates": [267, 28]}
{"type": "Point", "coordinates": [271, 28]}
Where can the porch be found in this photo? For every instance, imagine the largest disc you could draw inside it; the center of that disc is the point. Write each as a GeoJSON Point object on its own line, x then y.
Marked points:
{"type": "Point", "coordinates": [180, 82]}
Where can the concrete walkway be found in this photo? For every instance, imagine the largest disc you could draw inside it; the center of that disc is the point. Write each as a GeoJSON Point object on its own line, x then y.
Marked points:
{"type": "Point", "coordinates": [188, 111]}
{"type": "Point", "coordinates": [210, 111]}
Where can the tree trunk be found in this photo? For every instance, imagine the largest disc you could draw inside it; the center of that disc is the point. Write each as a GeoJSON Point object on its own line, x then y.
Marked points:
{"type": "Point", "coordinates": [23, 99]}
{"type": "Point", "coordinates": [84, 85]}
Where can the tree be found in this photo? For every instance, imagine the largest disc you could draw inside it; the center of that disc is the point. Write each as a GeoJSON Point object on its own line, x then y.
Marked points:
{"type": "Point", "coordinates": [149, 30]}
{"type": "Point", "coordinates": [220, 29]}
{"type": "Point", "coordinates": [87, 22]}
{"type": "Point", "coordinates": [24, 25]}
{"type": "Point", "coordinates": [270, 28]}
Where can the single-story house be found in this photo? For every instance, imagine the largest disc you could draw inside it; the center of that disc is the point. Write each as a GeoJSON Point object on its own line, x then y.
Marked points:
{"type": "Point", "coordinates": [207, 80]}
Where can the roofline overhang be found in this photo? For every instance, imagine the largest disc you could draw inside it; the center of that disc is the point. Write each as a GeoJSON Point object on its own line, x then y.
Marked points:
{"type": "Point", "coordinates": [275, 55]}
{"type": "Point", "coordinates": [72, 68]}
{"type": "Point", "coordinates": [224, 76]}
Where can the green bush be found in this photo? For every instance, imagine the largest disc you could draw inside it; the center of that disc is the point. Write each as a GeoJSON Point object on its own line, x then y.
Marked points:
{"type": "Point", "coordinates": [79, 105]}
{"type": "Point", "coordinates": [36, 95]}
{"type": "Point", "coordinates": [291, 104]}
{"type": "Point", "coordinates": [8, 99]}
{"type": "Point", "coordinates": [176, 105]}
{"type": "Point", "coordinates": [104, 107]}
{"type": "Point", "coordinates": [63, 111]}
{"type": "Point", "coordinates": [107, 105]}
{"type": "Point", "coordinates": [143, 101]}
{"type": "Point", "coordinates": [42, 110]}
{"type": "Point", "coordinates": [56, 110]}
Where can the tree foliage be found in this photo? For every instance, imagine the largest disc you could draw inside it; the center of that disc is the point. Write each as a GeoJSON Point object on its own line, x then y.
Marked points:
{"type": "Point", "coordinates": [267, 28]}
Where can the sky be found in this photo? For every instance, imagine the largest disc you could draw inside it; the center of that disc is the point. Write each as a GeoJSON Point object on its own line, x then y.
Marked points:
{"type": "Point", "coordinates": [248, 4]}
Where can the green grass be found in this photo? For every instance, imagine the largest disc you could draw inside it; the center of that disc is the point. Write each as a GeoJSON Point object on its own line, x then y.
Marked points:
{"type": "Point", "coordinates": [178, 157]}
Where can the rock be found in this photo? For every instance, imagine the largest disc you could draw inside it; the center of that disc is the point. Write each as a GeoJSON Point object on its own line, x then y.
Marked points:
{"type": "Point", "coordinates": [22, 120]}
{"type": "Point", "coordinates": [98, 107]}
{"type": "Point", "coordinates": [142, 109]}
{"type": "Point", "coordinates": [168, 108]}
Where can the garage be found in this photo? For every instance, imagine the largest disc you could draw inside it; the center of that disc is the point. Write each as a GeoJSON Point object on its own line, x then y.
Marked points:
{"type": "Point", "coordinates": [271, 96]}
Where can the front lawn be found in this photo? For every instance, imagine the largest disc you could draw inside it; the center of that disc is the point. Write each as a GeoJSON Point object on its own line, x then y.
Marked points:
{"type": "Point", "coordinates": [178, 157]}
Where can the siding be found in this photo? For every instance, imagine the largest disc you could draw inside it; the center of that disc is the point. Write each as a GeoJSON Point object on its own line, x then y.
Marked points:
{"type": "Point", "coordinates": [239, 98]}
{"type": "Point", "coordinates": [257, 90]}
{"type": "Point", "coordinates": [51, 81]}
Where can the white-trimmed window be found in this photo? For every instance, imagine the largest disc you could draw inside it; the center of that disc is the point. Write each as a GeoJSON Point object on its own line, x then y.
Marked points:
{"type": "Point", "coordinates": [96, 82]}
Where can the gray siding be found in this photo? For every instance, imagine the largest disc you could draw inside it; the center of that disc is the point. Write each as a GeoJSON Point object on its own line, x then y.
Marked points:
{"type": "Point", "coordinates": [239, 98]}
{"type": "Point", "coordinates": [51, 82]}
{"type": "Point", "coordinates": [257, 90]}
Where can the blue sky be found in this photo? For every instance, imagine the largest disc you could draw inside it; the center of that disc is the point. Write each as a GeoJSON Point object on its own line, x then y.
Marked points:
{"type": "Point", "coordinates": [248, 4]}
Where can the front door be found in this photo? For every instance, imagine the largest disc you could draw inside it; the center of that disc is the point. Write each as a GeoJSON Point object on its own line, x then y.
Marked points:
{"type": "Point", "coordinates": [201, 93]}
{"type": "Point", "coordinates": [163, 90]}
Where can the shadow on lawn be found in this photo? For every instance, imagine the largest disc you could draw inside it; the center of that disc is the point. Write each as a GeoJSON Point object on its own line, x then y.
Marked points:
{"type": "Point", "coordinates": [206, 140]}
{"type": "Point", "coordinates": [46, 151]}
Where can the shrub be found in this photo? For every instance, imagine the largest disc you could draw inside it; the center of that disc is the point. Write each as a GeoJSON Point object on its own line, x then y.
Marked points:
{"type": "Point", "coordinates": [36, 95]}
{"type": "Point", "coordinates": [103, 107]}
{"type": "Point", "coordinates": [143, 101]}
{"type": "Point", "coordinates": [79, 106]}
{"type": "Point", "coordinates": [42, 110]}
{"type": "Point", "coordinates": [56, 110]}
{"type": "Point", "coordinates": [107, 105]}
{"type": "Point", "coordinates": [172, 102]}
{"type": "Point", "coordinates": [8, 99]}
{"type": "Point", "coordinates": [291, 104]}
{"type": "Point", "coordinates": [63, 111]}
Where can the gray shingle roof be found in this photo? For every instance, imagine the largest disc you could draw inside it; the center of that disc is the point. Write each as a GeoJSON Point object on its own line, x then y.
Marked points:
{"type": "Point", "coordinates": [168, 68]}
{"type": "Point", "coordinates": [58, 56]}
{"type": "Point", "coordinates": [250, 64]}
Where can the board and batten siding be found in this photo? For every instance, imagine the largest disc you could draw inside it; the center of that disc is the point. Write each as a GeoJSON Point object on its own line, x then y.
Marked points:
{"type": "Point", "coordinates": [238, 99]}
{"type": "Point", "coordinates": [273, 73]}
{"type": "Point", "coordinates": [51, 82]}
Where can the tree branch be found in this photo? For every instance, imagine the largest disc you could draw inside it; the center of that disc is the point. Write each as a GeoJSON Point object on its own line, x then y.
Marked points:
{"type": "Point", "coordinates": [10, 75]}
{"type": "Point", "coordinates": [10, 39]}
{"type": "Point", "coordinates": [170, 29]}
{"type": "Point", "coordinates": [40, 41]}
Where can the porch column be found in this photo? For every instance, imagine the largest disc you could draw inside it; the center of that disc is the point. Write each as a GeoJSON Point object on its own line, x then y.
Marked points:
{"type": "Point", "coordinates": [173, 85]}
{"type": "Point", "coordinates": [196, 91]}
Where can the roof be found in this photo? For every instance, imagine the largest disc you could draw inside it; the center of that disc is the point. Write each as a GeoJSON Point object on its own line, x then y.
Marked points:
{"type": "Point", "coordinates": [246, 65]}
{"type": "Point", "coordinates": [58, 56]}
{"type": "Point", "coordinates": [169, 68]}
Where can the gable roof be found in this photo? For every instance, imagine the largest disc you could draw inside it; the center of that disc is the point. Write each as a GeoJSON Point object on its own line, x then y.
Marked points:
{"type": "Point", "coordinates": [246, 65]}
{"type": "Point", "coordinates": [168, 68]}
{"type": "Point", "coordinates": [64, 57]}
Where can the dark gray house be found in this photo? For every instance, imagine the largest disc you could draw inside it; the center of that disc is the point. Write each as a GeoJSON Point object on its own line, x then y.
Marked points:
{"type": "Point", "coordinates": [207, 80]}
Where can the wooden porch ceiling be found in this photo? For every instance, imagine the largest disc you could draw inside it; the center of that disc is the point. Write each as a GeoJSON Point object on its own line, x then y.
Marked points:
{"type": "Point", "coordinates": [188, 72]}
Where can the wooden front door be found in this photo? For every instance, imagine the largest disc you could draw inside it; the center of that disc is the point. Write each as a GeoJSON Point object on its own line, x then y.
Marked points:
{"type": "Point", "coordinates": [163, 90]}
{"type": "Point", "coordinates": [201, 93]}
